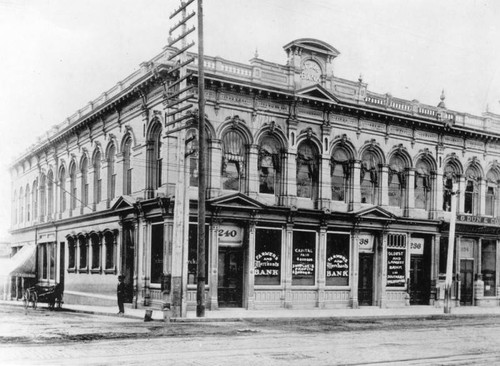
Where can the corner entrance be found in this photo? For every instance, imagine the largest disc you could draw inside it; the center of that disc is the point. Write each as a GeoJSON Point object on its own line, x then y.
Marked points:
{"type": "Point", "coordinates": [230, 280]}
{"type": "Point", "coordinates": [365, 279]}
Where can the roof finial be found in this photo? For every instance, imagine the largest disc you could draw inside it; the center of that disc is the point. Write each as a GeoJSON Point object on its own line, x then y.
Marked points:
{"type": "Point", "coordinates": [442, 97]}
{"type": "Point", "coordinates": [256, 52]}
{"type": "Point", "coordinates": [360, 78]}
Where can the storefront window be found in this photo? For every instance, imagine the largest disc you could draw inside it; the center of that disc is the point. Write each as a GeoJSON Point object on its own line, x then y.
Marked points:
{"type": "Point", "coordinates": [110, 252]}
{"type": "Point", "coordinates": [193, 254]}
{"type": "Point", "coordinates": [96, 252]}
{"type": "Point", "coordinates": [488, 266]}
{"type": "Point", "coordinates": [82, 241]}
{"type": "Point", "coordinates": [156, 252]}
{"type": "Point", "coordinates": [304, 258]}
{"type": "Point", "coordinates": [71, 253]}
{"type": "Point", "coordinates": [396, 260]}
{"type": "Point", "coordinates": [337, 259]}
{"type": "Point", "coordinates": [267, 256]}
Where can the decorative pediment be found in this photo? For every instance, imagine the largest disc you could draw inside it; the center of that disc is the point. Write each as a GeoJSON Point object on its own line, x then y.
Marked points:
{"type": "Point", "coordinates": [123, 202]}
{"type": "Point", "coordinates": [235, 201]}
{"type": "Point", "coordinates": [375, 212]}
{"type": "Point", "coordinates": [317, 91]}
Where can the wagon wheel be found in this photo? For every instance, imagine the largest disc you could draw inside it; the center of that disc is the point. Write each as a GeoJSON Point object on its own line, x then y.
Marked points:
{"type": "Point", "coordinates": [34, 299]}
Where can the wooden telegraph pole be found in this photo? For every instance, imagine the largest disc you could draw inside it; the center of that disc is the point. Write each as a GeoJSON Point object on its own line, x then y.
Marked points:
{"type": "Point", "coordinates": [451, 247]}
{"type": "Point", "coordinates": [202, 182]}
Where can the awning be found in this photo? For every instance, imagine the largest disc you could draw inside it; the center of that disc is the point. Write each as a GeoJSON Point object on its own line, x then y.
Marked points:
{"type": "Point", "coordinates": [22, 264]}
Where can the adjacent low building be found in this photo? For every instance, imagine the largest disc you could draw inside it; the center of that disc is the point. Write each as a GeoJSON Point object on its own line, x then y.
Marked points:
{"type": "Point", "coordinates": [321, 193]}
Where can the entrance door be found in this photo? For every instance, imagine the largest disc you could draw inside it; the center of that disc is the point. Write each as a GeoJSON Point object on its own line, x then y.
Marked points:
{"type": "Point", "coordinates": [365, 280]}
{"type": "Point", "coordinates": [230, 281]}
{"type": "Point", "coordinates": [466, 278]}
{"type": "Point", "coordinates": [419, 281]}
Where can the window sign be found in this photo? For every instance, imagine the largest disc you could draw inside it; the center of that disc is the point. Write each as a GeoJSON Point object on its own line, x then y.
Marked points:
{"type": "Point", "coordinates": [417, 246]}
{"type": "Point", "coordinates": [337, 259]}
{"type": "Point", "coordinates": [267, 257]}
{"type": "Point", "coordinates": [466, 249]}
{"type": "Point", "coordinates": [304, 258]}
{"type": "Point", "coordinates": [396, 267]}
{"type": "Point", "coordinates": [365, 243]}
{"type": "Point", "coordinates": [230, 235]}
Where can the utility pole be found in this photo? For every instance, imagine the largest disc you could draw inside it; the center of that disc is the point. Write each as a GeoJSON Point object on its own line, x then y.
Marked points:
{"type": "Point", "coordinates": [451, 247]}
{"type": "Point", "coordinates": [202, 182]}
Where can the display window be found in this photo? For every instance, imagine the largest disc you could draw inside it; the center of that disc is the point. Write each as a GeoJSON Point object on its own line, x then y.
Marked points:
{"type": "Point", "coordinates": [304, 258]}
{"type": "Point", "coordinates": [337, 259]}
{"type": "Point", "coordinates": [267, 256]}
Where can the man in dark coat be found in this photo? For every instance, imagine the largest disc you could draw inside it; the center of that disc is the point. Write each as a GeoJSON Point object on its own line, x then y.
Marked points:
{"type": "Point", "coordinates": [120, 293]}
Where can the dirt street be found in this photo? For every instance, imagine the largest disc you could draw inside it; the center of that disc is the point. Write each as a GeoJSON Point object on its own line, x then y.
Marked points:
{"type": "Point", "coordinates": [58, 338]}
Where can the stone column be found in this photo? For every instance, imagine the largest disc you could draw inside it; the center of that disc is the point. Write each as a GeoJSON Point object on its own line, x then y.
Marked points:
{"type": "Point", "coordinates": [104, 203]}
{"type": "Point", "coordinates": [289, 197]}
{"type": "Point", "coordinates": [384, 185]}
{"type": "Point", "coordinates": [253, 171]}
{"type": "Point", "coordinates": [409, 198]}
{"type": "Point", "coordinates": [355, 186]}
{"type": "Point", "coordinates": [435, 195]}
{"type": "Point", "coordinates": [287, 276]}
{"type": "Point", "coordinates": [214, 175]}
{"type": "Point", "coordinates": [251, 266]}
{"type": "Point", "coordinates": [325, 183]}
{"type": "Point", "coordinates": [461, 195]}
{"type": "Point", "coordinates": [354, 269]}
{"type": "Point", "coordinates": [481, 209]}
{"type": "Point", "coordinates": [321, 267]}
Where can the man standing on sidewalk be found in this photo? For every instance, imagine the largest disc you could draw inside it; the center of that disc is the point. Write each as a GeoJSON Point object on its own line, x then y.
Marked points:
{"type": "Point", "coordinates": [120, 293]}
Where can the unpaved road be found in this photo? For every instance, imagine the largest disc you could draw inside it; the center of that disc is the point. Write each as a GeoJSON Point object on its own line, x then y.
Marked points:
{"type": "Point", "coordinates": [59, 338]}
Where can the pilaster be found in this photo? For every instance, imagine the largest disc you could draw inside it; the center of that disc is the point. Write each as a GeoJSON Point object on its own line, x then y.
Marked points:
{"type": "Point", "coordinates": [321, 267]}
{"type": "Point", "coordinates": [253, 171]}
{"type": "Point", "coordinates": [287, 273]}
{"type": "Point", "coordinates": [384, 185]}
{"type": "Point", "coordinates": [251, 266]}
{"type": "Point", "coordinates": [355, 186]}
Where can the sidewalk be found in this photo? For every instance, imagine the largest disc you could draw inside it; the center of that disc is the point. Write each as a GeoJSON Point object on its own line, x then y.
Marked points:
{"type": "Point", "coordinates": [238, 314]}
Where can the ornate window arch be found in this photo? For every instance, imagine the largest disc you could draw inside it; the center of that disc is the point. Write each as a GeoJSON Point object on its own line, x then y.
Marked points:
{"type": "Point", "coordinates": [234, 160]}
{"type": "Point", "coordinates": [369, 176]}
{"type": "Point", "coordinates": [471, 193]}
{"type": "Point", "coordinates": [451, 173]}
{"type": "Point", "coordinates": [110, 159]}
{"type": "Point", "coordinates": [491, 199]}
{"type": "Point", "coordinates": [307, 170]}
{"type": "Point", "coordinates": [269, 165]}
{"type": "Point", "coordinates": [423, 184]}
{"type": "Point", "coordinates": [340, 172]}
{"type": "Point", "coordinates": [397, 180]}
{"type": "Point", "coordinates": [153, 158]}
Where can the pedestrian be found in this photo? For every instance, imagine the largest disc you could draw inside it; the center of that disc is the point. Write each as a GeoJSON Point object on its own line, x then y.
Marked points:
{"type": "Point", "coordinates": [120, 293]}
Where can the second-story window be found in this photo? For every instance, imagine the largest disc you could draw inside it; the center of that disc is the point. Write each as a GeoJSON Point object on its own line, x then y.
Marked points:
{"type": "Point", "coordinates": [471, 194]}
{"type": "Point", "coordinates": [97, 177]}
{"type": "Point", "coordinates": [20, 205]}
{"type": "Point", "coordinates": [34, 200]}
{"type": "Point", "coordinates": [85, 182]}
{"type": "Point", "coordinates": [111, 172]}
{"type": "Point", "coordinates": [43, 196]}
{"type": "Point", "coordinates": [153, 159]}
{"type": "Point", "coordinates": [233, 161]}
{"type": "Point", "coordinates": [62, 189]}
{"type": "Point", "coordinates": [492, 179]}
{"type": "Point", "coordinates": [340, 173]}
{"type": "Point", "coordinates": [83, 252]}
{"type": "Point", "coordinates": [369, 177]}
{"type": "Point", "coordinates": [307, 170]}
{"type": "Point", "coordinates": [27, 203]}
{"type": "Point", "coordinates": [96, 251]}
{"type": "Point", "coordinates": [397, 181]}
{"type": "Point", "coordinates": [127, 168]}
{"type": "Point", "coordinates": [422, 185]}
{"type": "Point", "coordinates": [269, 165]}
{"type": "Point", "coordinates": [50, 194]}
{"type": "Point", "coordinates": [72, 186]}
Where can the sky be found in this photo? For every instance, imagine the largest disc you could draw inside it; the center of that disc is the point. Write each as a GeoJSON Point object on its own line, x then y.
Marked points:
{"type": "Point", "coordinates": [57, 55]}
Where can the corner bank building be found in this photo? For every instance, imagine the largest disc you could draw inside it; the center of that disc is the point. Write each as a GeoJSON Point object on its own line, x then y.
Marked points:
{"type": "Point", "coordinates": [321, 193]}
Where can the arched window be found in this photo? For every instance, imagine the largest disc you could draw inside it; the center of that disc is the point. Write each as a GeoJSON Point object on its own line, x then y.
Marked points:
{"type": "Point", "coordinates": [83, 251]}
{"type": "Point", "coordinates": [14, 207]}
{"type": "Point", "coordinates": [471, 195]}
{"type": "Point", "coordinates": [127, 168]}
{"type": "Point", "coordinates": [492, 180]}
{"type": "Point", "coordinates": [43, 196]}
{"type": "Point", "coordinates": [422, 185]}
{"type": "Point", "coordinates": [111, 172]}
{"type": "Point", "coordinates": [369, 176]}
{"type": "Point", "coordinates": [269, 165]}
{"type": "Point", "coordinates": [450, 176]}
{"type": "Point", "coordinates": [397, 180]}
{"type": "Point", "coordinates": [307, 170]}
{"type": "Point", "coordinates": [109, 244]}
{"type": "Point", "coordinates": [19, 203]}
{"type": "Point", "coordinates": [340, 174]}
{"type": "Point", "coordinates": [84, 170]}
{"type": "Point", "coordinates": [72, 186]}
{"type": "Point", "coordinates": [34, 200]}
{"type": "Point", "coordinates": [154, 160]}
{"type": "Point", "coordinates": [192, 156]}
{"type": "Point", "coordinates": [50, 194]}
{"type": "Point", "coordinates": [96, 251]}
{"type": "Point", "coordinates": [27, 205]}
{"type": "Point", "coordinates": [62, 190]}
{"type": "Point", "coordinates": [97, 177]}
{"type": "Point", "coordinates": [71, 253]}
{"type": "Point", "coordinates": [233, 161]}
